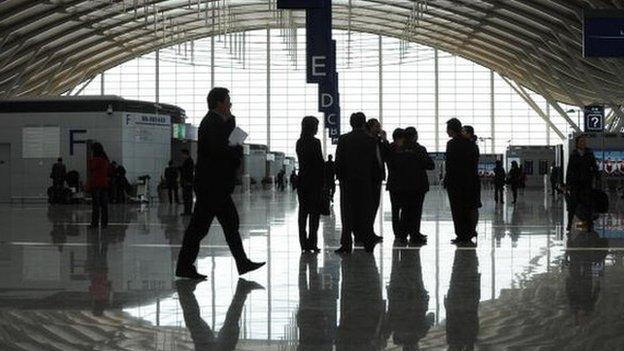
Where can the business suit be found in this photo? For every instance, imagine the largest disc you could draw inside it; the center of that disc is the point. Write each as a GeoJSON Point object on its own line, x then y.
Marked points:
{"type": "Point", "coordinates": [355, 163]}
{"type": "Point", "coordinates": [309, 189]}
{"type": "Point", "coordinates": [408, 183]}
{"type": "Point", "coordinates": [459, 167]}
{"type": "Point", "coordinates": [215, 176]}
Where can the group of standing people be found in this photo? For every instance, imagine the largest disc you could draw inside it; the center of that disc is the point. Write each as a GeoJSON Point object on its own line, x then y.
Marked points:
{"type": "Point", "coordinates": [361, 160]}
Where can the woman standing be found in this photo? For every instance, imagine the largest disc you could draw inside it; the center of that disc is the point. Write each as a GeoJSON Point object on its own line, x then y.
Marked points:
{"type": "Point", "coordinates": [309, 183]}
{"type": "Point", "coordinates": [514, 179]}
{"type": "Point", "coordinates": [97, 184]}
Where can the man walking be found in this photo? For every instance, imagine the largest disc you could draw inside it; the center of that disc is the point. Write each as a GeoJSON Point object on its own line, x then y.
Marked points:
{"type": "Point", "coordinates": [356, 163]}
{"type": "Point", "coordinates": [215, 179]}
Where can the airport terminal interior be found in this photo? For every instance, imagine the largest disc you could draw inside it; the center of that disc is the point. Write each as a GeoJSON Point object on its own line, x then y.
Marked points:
{"type": "Point", "coordinates": [540, 81]}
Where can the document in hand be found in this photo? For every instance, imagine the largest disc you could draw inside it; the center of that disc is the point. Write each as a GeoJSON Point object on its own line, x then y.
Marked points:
{"type": "Point", "coordinates": [237, 137]}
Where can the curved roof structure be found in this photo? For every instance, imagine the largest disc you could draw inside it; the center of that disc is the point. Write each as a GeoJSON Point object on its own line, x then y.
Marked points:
{"type": "Point", "coordinates": [48, 47]}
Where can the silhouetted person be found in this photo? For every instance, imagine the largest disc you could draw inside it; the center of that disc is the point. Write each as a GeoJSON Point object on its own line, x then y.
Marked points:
{"type": "Point", "coordinates": [171, 182]}
{"type": "Point", "coordinates": [459, 168]}
{"type": "Point", "coordinates": [462, 301]}
{"type": "Point", "coordinates": [514, 179]}
{"type": "Point", "coordinates": [361, 305]}
{"type": "Point", "coordinates": [293, 180]}
{"type": "Point", "coordinates": [58, 174]}
{"type": "Point", "coordinates": [356, 164]}
{"type": "Point", "coordinates": [316, 314]}
{"type": "Point", "coordinates": [473, 179]}
{"type": "Point", "coordinates": [204, 339]}
{"type": "Point", "coordinates": [330, 177]}
{"type": "Point", "coordinates": [499, 181]}
{"type": "Point", "coordinates": [187, 178]}
{"type": "Point", "coordinates": [373, 127]}
{"type": "Point", "coordinates": [408, 300]}
{"type": "Point", "coordinates": [396, 199]}
{"type": "Point", "coordinates": [215, 179]}
{"type": "Point", "coordinates": [280, 180]}
{"type": "Point", "coordinates": [580, 176]}
{"type": "Point", "coordinates": [416, 182]}
{"type": "Point", "coordinates": [309, 183]}
{"type": "Point", "coordinates": [97, 185]}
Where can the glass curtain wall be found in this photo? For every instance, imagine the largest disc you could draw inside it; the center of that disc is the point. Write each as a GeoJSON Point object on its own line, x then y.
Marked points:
{"type": "Point", "coordinates": [376, 77]}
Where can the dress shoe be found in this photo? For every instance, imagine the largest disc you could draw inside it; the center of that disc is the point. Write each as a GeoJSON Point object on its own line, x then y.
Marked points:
{"type": "Point", "coordinates": [343, 250]}
{"type": "Point", "coordinates": [248, 286]}
{"type": "Point", "coordinates": [190, 273]}
{"type": "Point", "coordinates": [248, 266]}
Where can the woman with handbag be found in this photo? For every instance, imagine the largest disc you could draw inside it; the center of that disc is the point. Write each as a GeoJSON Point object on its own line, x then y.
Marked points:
{"type": "Point", "coordinates": [309, 183]}
{"type": "Point", "coordinates": [97, 185]}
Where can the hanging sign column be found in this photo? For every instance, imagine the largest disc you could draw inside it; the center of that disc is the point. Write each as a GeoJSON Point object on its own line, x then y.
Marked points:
{"type": "Point", "coordinates": [320, 58]}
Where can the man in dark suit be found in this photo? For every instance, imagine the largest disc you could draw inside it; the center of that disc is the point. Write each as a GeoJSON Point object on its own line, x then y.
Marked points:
{"type": "Point", "coordinates": [215, 178]}
{"type": "Point", "coordinates": [187, 177]}
{"type": "Point", "coordinates": [373, 127]}
{"type": "Point", "coordinates": [421, 163]}
{"type": "Point", "coordinates": [458, 169]}
{"type": "Point", "coordinates": [356, 162]}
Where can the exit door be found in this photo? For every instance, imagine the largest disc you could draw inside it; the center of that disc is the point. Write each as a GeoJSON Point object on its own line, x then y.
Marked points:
{"type": "Point", "coordinates": [5, 173]}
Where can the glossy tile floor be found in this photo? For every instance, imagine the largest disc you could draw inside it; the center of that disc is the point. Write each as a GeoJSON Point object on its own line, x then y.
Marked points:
{"type": "Point", "coordinates": [526, 286]}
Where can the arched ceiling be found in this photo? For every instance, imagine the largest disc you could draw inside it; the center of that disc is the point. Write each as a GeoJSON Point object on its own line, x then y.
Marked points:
{"type": "Point", "coordinates": [49, 47]}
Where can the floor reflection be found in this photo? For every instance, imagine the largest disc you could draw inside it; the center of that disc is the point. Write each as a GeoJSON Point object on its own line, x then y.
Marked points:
{"type": "Point", "coordinates": [526, 285]}
{"type": "Point", "coordinates": [204, 339]}
{"type": "Point", "coordinates": [462, 301]}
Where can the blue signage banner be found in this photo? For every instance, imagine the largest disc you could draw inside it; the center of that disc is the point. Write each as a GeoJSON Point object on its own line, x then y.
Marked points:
{"type": "Point", "coordinates": [321, 58]}
{"type": "Point", "coordinates": [603, 33]}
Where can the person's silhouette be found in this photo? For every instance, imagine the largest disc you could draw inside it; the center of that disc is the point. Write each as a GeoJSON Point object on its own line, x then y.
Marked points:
{"type": "Point", "coordinates": [317, 307]}
{"type": "Point", "coordinates": [408, 301]}
{"type": "Point", "coordinates": [361, 306]}
{"type": "Point", "coordinates": [462, 301]}
{"type": "Point", "coordinates": [202, 335]}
